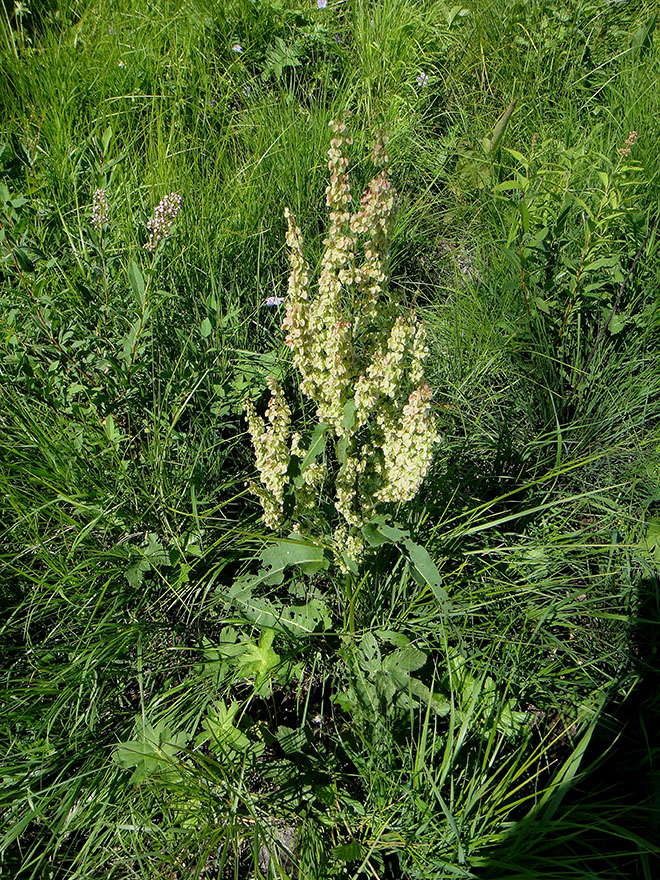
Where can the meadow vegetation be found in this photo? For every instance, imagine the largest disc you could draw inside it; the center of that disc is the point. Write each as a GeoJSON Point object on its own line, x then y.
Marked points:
{"type": "Point", "coordinates": [466, 685]}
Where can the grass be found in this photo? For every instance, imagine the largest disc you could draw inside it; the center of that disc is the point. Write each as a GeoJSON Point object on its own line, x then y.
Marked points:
{"type": "Point", "coordinates": [150, 727]}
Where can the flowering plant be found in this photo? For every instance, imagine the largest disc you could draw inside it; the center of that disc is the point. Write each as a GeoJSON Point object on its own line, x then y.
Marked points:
{"type": "Point", "coordinates": [361, 363]}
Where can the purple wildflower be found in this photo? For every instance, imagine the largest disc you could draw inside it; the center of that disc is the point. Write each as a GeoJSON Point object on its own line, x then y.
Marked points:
{"type": "Point", "coordinates": [274, 301]}
{"type": "Point", "coordinates": [321, 3]}
{"type": "Point", "coordinates": [237, 48]}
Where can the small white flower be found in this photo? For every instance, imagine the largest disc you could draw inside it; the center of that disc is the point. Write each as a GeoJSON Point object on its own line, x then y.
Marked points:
{"type": "Point", "coordinates": [247, 91]}
{"type": "Point", "coordinates": [237, 48]}
{"type": "Point", "coordinates": [274, 301]}
{"type": "Point", "coordinates": [422, 80]}
{"type": "Point", "coordinates": [120, 63]}
{"type": "Point", "coordinates": [321, 3]}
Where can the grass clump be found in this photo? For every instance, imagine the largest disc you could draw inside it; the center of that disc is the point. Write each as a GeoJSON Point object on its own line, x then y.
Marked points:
{"type": "Point", "coordinates": [185, 695]}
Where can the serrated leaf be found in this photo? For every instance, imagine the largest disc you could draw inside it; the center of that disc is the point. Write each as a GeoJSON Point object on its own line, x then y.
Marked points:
{"type": "Point", "coordinates": [219, 723]}
{"type": "Point", "coordinates": [292, 740]}
{"type": "Point", "coordinates": [135, 573]}
{"type": "Point", "coordinates": [151, 751]}
{"type": "Point", "coordinates": [154, 550]}
{"type": "Point", "coordinates": [405, 660]}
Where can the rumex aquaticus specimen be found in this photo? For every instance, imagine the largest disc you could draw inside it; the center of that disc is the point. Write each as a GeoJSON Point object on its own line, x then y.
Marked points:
{"type": "Point", "coordinates": [361, 361]}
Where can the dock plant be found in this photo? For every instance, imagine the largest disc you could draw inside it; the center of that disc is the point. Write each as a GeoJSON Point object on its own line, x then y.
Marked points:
{"type": "Point", "coordinates": [359, 359]}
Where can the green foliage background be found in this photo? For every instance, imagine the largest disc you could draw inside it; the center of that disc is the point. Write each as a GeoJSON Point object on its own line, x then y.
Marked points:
{"type": "Point", "coordinates": [174, 704]}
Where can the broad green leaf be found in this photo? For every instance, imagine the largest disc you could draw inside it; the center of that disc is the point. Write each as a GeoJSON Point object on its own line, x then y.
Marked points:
{"type": "Point", "coordinates": [151, 751]}
{"type": "Point", "coordinates": [617, 324]}
{"type": "Point", "coordinates": [369, 657]}
{"type": "Point", "coordinates": [516, 155]}
{"type": "Point", "coordinates": [206, 328]}
{"type": "Point", "coordinates": [292, 740]}
{"type": "Point", "coordinates": [403, 661]}
{"type": "Point", "coordinates": [650, 543]}
{"type": "Point", "coordinates": [293, 550]}
{"type": "Point", "coordinates": [305, 619]}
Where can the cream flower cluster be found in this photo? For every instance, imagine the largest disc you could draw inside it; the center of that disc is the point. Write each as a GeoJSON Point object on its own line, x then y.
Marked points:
{"type": "Point", "coordinates": [360, 362]}
{"type": "Point", "coordinates": [408, 448]}
{"type": "Point", "coordinates": [271, 446]}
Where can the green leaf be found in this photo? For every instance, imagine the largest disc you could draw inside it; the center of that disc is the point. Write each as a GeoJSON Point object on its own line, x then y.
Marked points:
{"type": "Point", "coordinates": [369, 658]}
{"type": "Point", "coordinates": [378, 532]}
{"type": "Point", "coordinates": [424, 571]}
{"type": "Point", "coordinates": [151, 751]}
{"type": "Point", "coordinates": [650, 543]}
{"type": "Point", "coordinates": [136, 281]}
{"type": "Point", "coordinates": [305, 619]}
{"type": "Point", "coordinates": [294, 550]}
{"type": "Point", "coordinates": [348, 420]}
{"type": "Point", "coordinates": [642, 39]}
{"type": "Point", "coordinates": [206, 328]}
{"type": "Point", "coordinates": [524, 215]}
{"type": "Point", "coordinates": [316, 445]}
{"type": "Point", "coordinates": [498, 132]}
{"type": "Point", "coordinates": [219, 723]}
{"type": "Point", "coordinates": [617, 324]}
{"type": "Point", "coordinates": [105, 140]}
{"type": "Point", "coordinates": [292, 740]}
{"type": "Point", "coordinates": [112, 432]}
{"type": "Point", "coordinates": [261, 661]}
{"type": "Point", "coordinates": [348, 852]}
{"type": "Point", "coordinates": [403, 661]}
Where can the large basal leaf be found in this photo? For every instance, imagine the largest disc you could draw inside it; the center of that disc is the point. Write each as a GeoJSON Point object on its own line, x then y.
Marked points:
{"type": "Point", "coordinates": [294, 550]}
